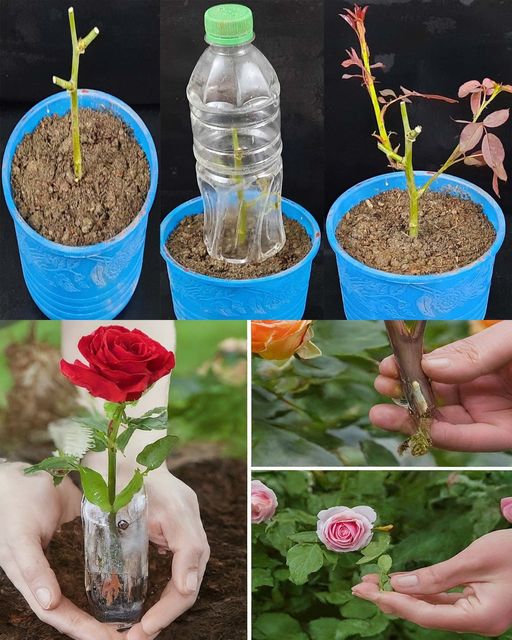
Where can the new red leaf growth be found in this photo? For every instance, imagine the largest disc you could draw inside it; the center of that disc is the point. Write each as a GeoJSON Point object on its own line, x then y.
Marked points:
{"type": "Point", "coordinates": [475, 131]}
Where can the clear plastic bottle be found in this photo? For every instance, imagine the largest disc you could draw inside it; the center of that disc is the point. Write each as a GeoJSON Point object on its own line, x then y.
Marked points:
{"type": "Point", "coordinates": [236, 124]}
{"type": "Point", "coordinates": [116, 561]}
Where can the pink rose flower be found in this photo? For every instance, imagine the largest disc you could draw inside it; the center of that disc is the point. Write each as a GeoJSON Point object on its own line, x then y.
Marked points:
{"type": "Point", "coordinates": [263, 502]}
{"type": "Point", "coordinates": [343, 529]}
{"type": "Point", "coordinates": [506, 508]}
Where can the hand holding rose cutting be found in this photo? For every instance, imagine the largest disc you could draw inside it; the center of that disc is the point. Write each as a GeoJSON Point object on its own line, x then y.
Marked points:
{"type": "Point", "coordinates": [472, 381]}
{"type": "Point", "coordinates": [425, 596]}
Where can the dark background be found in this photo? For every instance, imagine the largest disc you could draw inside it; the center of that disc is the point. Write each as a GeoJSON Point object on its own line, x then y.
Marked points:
{"type": "Point", "coordinates": [123, 61]}
{"type": "Point", "coordinates": [432, 47]}
{"type": "Point", "coordinates": [290, 34]}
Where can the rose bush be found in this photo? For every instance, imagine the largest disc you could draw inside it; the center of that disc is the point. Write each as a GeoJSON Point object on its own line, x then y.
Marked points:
{"type": "Point", "coordinates": [123, 363]}
{"type": "Point", "coordinates": [302, 590]}
{"type": "Point", "coordinates": [263, 502]}
{"type": "Point", "coordinates": [319, 408]}
{"type": "Point", "coordinates": [281, 339]}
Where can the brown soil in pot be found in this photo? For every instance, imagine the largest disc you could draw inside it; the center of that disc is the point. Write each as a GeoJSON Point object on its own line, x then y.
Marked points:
{"type": "Point", "coordinates": [109, 196]}
{"type": "Point", "coordinates": [220, 611]}
{"type": "Point", "coordinates": [186, 246]}
{"type": "Point", "coordinates": [453, 233]}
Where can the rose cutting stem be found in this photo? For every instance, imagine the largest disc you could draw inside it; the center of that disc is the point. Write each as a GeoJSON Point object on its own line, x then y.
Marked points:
{"type": "Point", "coordinates": [112, 429]}
{"type": "Point", "coordinates": [407, 345]}
{"type": "Point", "coordinates": [71, 86]}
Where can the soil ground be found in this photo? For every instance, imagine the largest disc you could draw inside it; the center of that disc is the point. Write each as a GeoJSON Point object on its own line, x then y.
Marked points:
{"type": "Point", "coordinates": [110, 194]}
{"type": "Point", "coordinates": [220, 611]}
{"type": "Point", "coordinates": [453, 233]}
{"type": "Point", "coordinates": [186, 246]}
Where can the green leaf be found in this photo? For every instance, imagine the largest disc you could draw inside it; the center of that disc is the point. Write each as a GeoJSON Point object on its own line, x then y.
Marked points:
{"type": "Point", "coordinates": [277, 626]}
{"type": "Point", "coordinates": [376, 548]}
{"type": "Point", "coordinates": [349, 337]}
{"type": "Point", "coordinates": [385, 563]}
{"type": "Point", "coordinates": [324, 628]}
{"type": "Point", "coordinates": [110, 409]}
{"type": "Point", "coordinates": [377, 455]}
{"type": "Point", "coordinates": [261, 578]}
{"type": "Point", "coordinates": [153, 419]}
{"type": "Point", "coordinates": [279, 447]}
{"type": "Point", "coordinates": [155, 454]}
{"type": "Point", "coordinates": [303, 559]}
{"type": "Point", "coordinates": [304, 536]}
{"type": "Point", "coordinates": [57, 466]}
{"type": "Point", "coordinates": [357, 608]}
{"type": "Point", "coordinates": [124, 496]}
{"type": "Point", "coordinates": [95, 488]}
{"type": "Point", "coordinates": [124, 437]}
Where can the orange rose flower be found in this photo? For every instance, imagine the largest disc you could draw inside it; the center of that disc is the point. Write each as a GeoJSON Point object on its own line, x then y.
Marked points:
{"type": "Point", "coordinates": [479, 325]}
{"type": "Point", "coordinates": [281, 339]}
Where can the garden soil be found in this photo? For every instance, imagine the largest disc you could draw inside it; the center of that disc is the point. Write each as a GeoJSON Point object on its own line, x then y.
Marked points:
{"type": "Point", "coordinates": [109, 196]}
{"type": "Point", "coordinates": [453, 233]}
{"type": "Point", "coordinates": [186, 246]}
{"type": "Point", "coordinates": [220, 611]}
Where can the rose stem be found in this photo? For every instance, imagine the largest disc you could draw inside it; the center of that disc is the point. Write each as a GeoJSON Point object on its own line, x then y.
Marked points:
{"type": "Point", "coordinates": [112, 429]}
{"type": "Point", "coordinates": [241, 232]}
{"type": "Point", "coordinates": [407, 345]}
{"type": "Point", "coordinates": [71, 86]}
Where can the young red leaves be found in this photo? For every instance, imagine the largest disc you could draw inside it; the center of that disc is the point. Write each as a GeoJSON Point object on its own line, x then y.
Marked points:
{"type": "Point", "coordinates": [492, 152]}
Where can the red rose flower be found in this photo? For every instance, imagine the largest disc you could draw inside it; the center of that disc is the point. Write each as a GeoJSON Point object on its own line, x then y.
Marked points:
{"type": "Point", "coordinates": [123, 364]}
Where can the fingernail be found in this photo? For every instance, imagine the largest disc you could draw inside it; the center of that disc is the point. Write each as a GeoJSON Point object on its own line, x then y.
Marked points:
{"type": "Point", "coordinates": [405, 581]}
{"type": "Point", "coordinates": [191, 581]}
{"type": "Point", "coordinates": [44, 597]}
{"type": "Point", "coordinates": [438, 363]}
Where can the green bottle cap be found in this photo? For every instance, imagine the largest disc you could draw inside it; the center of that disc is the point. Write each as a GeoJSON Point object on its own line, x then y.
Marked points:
{"type": "Point", "coordinates": [228, 24]}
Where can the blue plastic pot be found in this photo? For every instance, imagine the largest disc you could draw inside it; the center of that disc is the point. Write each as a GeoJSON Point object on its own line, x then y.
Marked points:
{"type": "Point", "coordinates": [371, 294]}
{"type": "Point", "coordinates": [95, 281]}
{"type": "Point", "coordinates": [281, 296]}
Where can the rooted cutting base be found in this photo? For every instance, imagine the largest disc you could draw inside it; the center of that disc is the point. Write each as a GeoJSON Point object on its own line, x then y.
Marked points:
{"type": "Point", "coordinates": [186, 246]}
{"type": "Point", "coordinates": [220, 610]}
{"type": "Point", "coordinates": [453, 233]}
{"type": "Point", "coordinates": [111, 193]}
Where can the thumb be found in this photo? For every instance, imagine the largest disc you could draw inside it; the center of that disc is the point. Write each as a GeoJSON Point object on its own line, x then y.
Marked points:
{"type": "Point", "coordinates": [467, 359]}
{"type": "Point", "coordinates": [459, 570]}
{"type": "Point", "coordinates": [185, 568]}
{"type": "Point", "coordinates": [35, 571]}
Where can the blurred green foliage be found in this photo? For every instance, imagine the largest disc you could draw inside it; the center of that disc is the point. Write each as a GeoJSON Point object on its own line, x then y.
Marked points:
{"type": "Point", "coordinates": [436, 514]}
{"type": "Point", "coordinates": [315, 412]}
{"type": "Point", "coordinates": [208, 388]}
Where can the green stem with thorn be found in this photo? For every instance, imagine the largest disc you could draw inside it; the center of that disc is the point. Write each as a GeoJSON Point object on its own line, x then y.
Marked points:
{"type": "Point", "coordinates": [71, 86]}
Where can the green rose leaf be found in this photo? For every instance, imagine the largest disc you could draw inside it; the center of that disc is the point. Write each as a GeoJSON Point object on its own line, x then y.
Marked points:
{"type": "Point", "coordinates": [95, 488]}
{"type": "Point", "coordinates": [153, 455]}
{"type": "Point", "coordinates": [385, 563]}
{"type": "Point", "coordinates": [304, 536]}
{"type": "Point", "coordinates": [270, 626]}
{"type": "Point", "coordinates": [154, 419]}
{"type": "Point", "coordinates": [261, 578]}
{"type": "Point", "coordinates": [57, 466]}
{"type": "Point", "coordinates": [376, 548]}
{"type": "Point", "coordinates": [124, 496]}
{"type": "Point", "coordinates": [110, 408]}
{"type": "Point", "coordinates": [303, 559]}
{"type": "Point", "coordinates": [124, 437]}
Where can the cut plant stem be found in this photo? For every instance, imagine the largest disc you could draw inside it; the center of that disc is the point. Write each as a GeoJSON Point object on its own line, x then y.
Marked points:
{"type": "Point", "coordinates": [112, 429]}
{"type": "Point", "coordinates": [410, 136]}
{"type": "Point", "coordinates": [71, 86]}
{"type": "Point", "coordinates": [407, 343]}
{"type": "Point", "coordinates": [241, 230]}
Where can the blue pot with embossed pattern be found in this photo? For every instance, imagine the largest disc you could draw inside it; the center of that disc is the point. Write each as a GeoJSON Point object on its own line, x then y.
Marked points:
{"type": "Point", "coordinates": [371, 294]}
{"type": "Point", "coordinates": [281, 296]}
{"type": "Point", "coordinates": [94, 281]}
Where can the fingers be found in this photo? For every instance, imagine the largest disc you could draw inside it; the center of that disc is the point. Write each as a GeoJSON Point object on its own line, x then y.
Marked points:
{"type": "Point", "coordinates": [438, 598]}
{"type": "Point", "coordinates": [468, 359]}
{"type": "Point", "coordinates": [425, 614]}
{"type": "Point", "coordinates": [186, 567]}
{"type": "Point", "coordinates": [465, 436]}
{"type": "Point", "coordinates": [171, 605]}
{"type": "Point", "coordinates": [34, 570]}
{"type": "Point", "coordinates": [65, 617]}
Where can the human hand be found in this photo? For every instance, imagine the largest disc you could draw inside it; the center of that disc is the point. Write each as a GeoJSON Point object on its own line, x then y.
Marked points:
{"type": "Point", "coordinates": [175, 525]}
{"type": "Point", "coordinates": [472, 379]}
{"type": "Point", "coordinates": [422, 596]}
{"type": "Point", "coordinates": [32, 510]}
